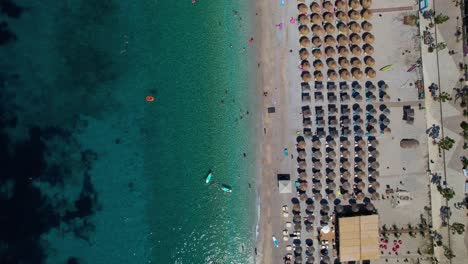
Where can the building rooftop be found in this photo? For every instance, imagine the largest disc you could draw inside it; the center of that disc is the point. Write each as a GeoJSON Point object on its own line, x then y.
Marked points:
{"type": "Point", "coordinates": [359, 238]}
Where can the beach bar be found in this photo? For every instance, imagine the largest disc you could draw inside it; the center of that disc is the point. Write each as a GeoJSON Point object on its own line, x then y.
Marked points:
{"type": "Point", "coordinates": [284, 183]}
{"type": "Point", "coordinates": [359, 238]}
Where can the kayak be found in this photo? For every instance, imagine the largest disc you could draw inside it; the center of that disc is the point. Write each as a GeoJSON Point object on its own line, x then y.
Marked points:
{"type": "Point", "coordinates": [275, 242]}
{"type": "Point", "coordinates": [208, 177]}
{"type": "Point", "coordinates": [226, 188]}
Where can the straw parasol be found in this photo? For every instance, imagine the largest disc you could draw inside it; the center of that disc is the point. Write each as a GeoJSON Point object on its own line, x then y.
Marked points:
{"type": "Point", "coordinates": [317, 30]}
{"type": "Point", "coordinates": [369, 61]}
{"type": "Point", "coordinates": [318, 186]}
{"type": "Point", "coordinates": [302, 155]}
{"type": "Point", "coordinates": [343, 62]}
{"type": "Point", "coordinates": [354, 27]}
{"type": "Point", "coordinates": [340, 5]}
{"type": "Point", "coordinates": [301, 144]}
{"type": "Point", "coordinates": [305, 65]}
{"type": "Point", "coordinates": [304, 41]}
{"type": "Point", "coordinates": [355, 38]}
{"type": "Point", "coordinates": [331, 165]}
{"type": "Point", "coordinates": [343, 51]}
{"type": "Point", "coordinates": [331, 175]}
{"type": "Point", "coordinates": [317, 196]}
{"type": "Point", "coordinates": [331, 186]}
{"type": "Point", "coordinates": [310, 208]}
{"type": "Point", "coordinates": [366, 14]}
{"type": "Point", "coordinates": [330, 51]}
{"type": "Point", "coordinates": [331, 63]}
{"type": "Point", "coordinates": [302, 8]}
{"type": "Point", "coordinates": [342, 40]}
{"type": "Point", "coordinates": [355, 62]}
{"type": "Point", "coordinates": [366, 3]}
{"type": "Point", "coordinates": [345, 153]}
{"type": "Point", "coordinates": [298, 227]}
{"type": "Point", "coordinates": [317, 165]}
{"type": "Point", "coordinates": [370, 73]}
{"type": "Point", "coordinates": [356, 50]}
{"type": "Point", "coordinates": [357, 73]}
{"type": "Point", "coordinates": [303, 197]}
{"type": "Point", "coordinates": [339, 208]}
{"type": "Point", "coordinates": [329, 28]}
{"type": "Point", "coordinates": [302, 165]}
{"type": "Point", "coordinates": [297, 218]}
{"type": "Point", "coordinates": [315, 7]}
{"type": "Point", "coordinates": [327, 5]}
{"type": "Point", "coordinates": [360, 196]}
{"type": "Point", "coordinates": [370, 207]}
{"type": "Point", "coordinates": [303, 54]}
{"type": "Point", "coordinates": [354, 4]}
{"type": "Point", "coordinates": [296, 208]}
{"type": "Point", "coordinates": [354, 15]}
{"type": "Point", "coordinates": [342, 28]}
{"type": "Point", "coordinates": [330, 40]}
{"type": "Point", "coordinates": [340, 15]}
{"type": "Point", "coordinates": [332, 75]}
{"type": "Point", "coordinates": [316, 42]}
{"type": "Point", "coordinates": [366, 26]}
{"type": "Point", "coordinates": [328, 17]}
{"type": "Point", "coordinates": [375, 185]}
{"type": "Point", "coordinates": [346, 165]}
{"type": "Point", "coordinates": [375, 165]}
{"type": "Point", "coordinates": [317, 53]}
{"type": "Point", "coordinates": [315, 18]}
{"type": "Point", "coordinates": [344, 74]}
{"type": "Point", "coordinates": [303, 19]}
{"type": "Point", "coordinates": [303, 176]}
{"type": "Point", "coordinates": [346, 196]}
{"type": "Point", "coordinates": [368, 38]}
{"type": "Point", "coordinates": [318, 65]}
{"type": "Point", "coordinates": [346, 186]}
{"type": "Point", "coordinates": [368, 49]}
{"type": "Point", "coordinates": [303, 186]}
{"type": "Point", "coordinates": [304, 30]}
{"type": "Point", "coordinates": [375, 174]}
{"type": "Point", "coordinates": [361, 185]}
{"type": "Point", "coordinates": [306, 77]}
{"type": "Point", "coordinates": [318, 175]}
{"type": "Point", "coordinates": [374, 196]}
{"type": "Point", "coordinates": [318, 76]}
{"type": "Point", "coordinates": [332, 154]}
{"type": "Point", "coordinates": [317, 154]}
{"type": "Point", "coordinates": [355, 208]}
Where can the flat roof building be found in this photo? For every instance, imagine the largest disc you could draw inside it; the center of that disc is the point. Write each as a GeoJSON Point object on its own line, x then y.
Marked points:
{"type": "Point", "coordinates": [359, 238]}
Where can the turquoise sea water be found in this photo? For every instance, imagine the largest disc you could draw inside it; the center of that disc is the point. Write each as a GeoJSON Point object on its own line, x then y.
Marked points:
{"type": "Point", "coordinates": [123, 179]}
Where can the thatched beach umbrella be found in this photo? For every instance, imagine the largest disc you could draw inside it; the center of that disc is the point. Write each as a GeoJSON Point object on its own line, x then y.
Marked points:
{"type": "Point", "coordinates": [357, 73]}
{"type": "Point", "coordinates": [368, 49]}
{"type": "Point", "coordinates": [317, 154]}
{"type": "Point", "coordinates": [327, 5]}
{"type": "Point", "coordinates": [341, 16]}
{"type": "Point", "coordinates": [346, 186]}
{"type": "Point", "coordinates": [375, 174]}
{"type": "Point", "coordinates": [340, 5]}
{"type": "Point", "coordinates": [302, 176]}
{"type": "Point", "coordinates": [342, 40]}
{"type": "Point", "coordinates": [354, 15]}
{"type": "Point", "coordinates": [303, 19]}
{"type": "Point", "coordinates": [370, 73]}
{"type": "Point", "coordinates": [366, 3]}
{"type": "Point", "coordinates": [301, 144]}
{"type": "Point", "coordinates": [361, 185]}
{"type": "Point", "coordinates": [331, 186]}
{"type": "Point", "coordinates": [375, 165]}
{"type": "Point", "coordinates": [346, 165]}
{"type": "Point", "coordinates": [344, 74]}
{"type": "Point", "coordinates": [355, 208]}
{"type": "Point", "coordinates": [316, 42]}
{"type": "Point", "coordinates": [297, 227]}
{"type": "Point", "coordinates": [318, 186]}
{"type": "Point", "coordinates": [315, 7]}
{"type": "Point", "coordinates": [317, 165]}
{"type": "Point", "coordinates": [368, 38]}
{"type": "Point", "coordinates": [304, 30]}
{"type": "Point", "coordinates": [346, 196]}
{"type": "Point", "coordinates": [332, 75]}
{"type": "Point", "coordinates": [296, 208]}
{"type": "Point", "coordinates": [303, 54]}
{"type": "Point", "coordinates": [361, 174]}
{"type": "Point", "coordinates": [332, 154]}
{"type": "Point", "coordinates": [345, 153]}
{"type": "Point", "coordinates": [297, 218]}
{"type": "Point", "coordinates": [310, 229]}
{"type": "Point", "coordinates": [355, 38]}
{"type": "Point", "coordinates": [331, 63]}
{"type": "Point", "coordinates": [343, 51]}
{"type": "Point", "coordinates": [366, 14]}
{"type": "Point", "coordinates": [317, 196]}
{"type": "Point", "coordinates": [317, 30]}
{"type": "Point", "coordinates": [356, 50]}
{"type": "Point", "coordinates": [302, 165]}
{"type": "Point", "coordinates": [302, 154]}
{"type": "Point", "coordinates": [342, 28]}
{"type": "Point", "coordinates": [331, 175]}
{"type": "Point", "coordinates": [370, 207]}
{"type": "Point", "coordinates": [302, 186]}
{"type": "Point", "coordinates": [356, 62]}
{"type": "Point", "coordinates": [328, 17]}
{"type": "Point", "coordinates": [330, 51]}
{"type": "Point", "coordinates": [304, 41]}
{"type": "Point", "coordinates": [339, 208]}
{"type": "Point", "coordinates": [375, 185]}
{"type": "Point", "coordinates": [318, 65]}
{"type": "Point", "coordinates": [354, 27]}
{"type": "Point", "coordinates": [369, 61]}
{"type": "Point", "coordinates": [360, 165]}
{"type": "Point", "coordinates": [317, 53]}
{"type": "Point", "coordinates": [360, 196]}
{"type": "Point", "coordinates": [366, 26]}
{"type": "Point", "coordinates": [343, 61]}
{"type": "Point", "coordinates": [303, 197]}
{"type": "Point", "coordinates": [305, 65]}
{"type": "Point", "coordinates": [329, 28]}
{"type": "Point", "coordinates": [310, 208]}
{"type": "Point", "coordinates": [318, 76]}
{"type": "Point", "coordinates": [354, 4]}
{"type": "Point", "coordinates": [331, 165]}
{"type": "Point", "coordinates": [330, 40]}
{"type": "Point", "coordinates": [316, 19]}
{"type": "Point", "coordinates": [318, 176]}
{"type": "Point", "coordinates": [306, 77]}
{"type": "Point", "coordinates": [375, 196]}
{"type": "Point", "coordinates": [302, 8]}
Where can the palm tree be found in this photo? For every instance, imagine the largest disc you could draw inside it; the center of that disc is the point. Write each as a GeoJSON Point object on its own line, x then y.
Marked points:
{"type": "Point", "coordinates": [446, 143]}
{"type": "Point", "coordinates": [439, 19]}
{"type": "Point", "coordinates": [458, 228]}
{"type": "Point", "coordinates": [463, 94]}
{"type": "Point", "coordinates": [448, 252]}
{"type": "Point", "coordinates": [444, 97]}
{"type": "Point", "coordinates": [447, 193]}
